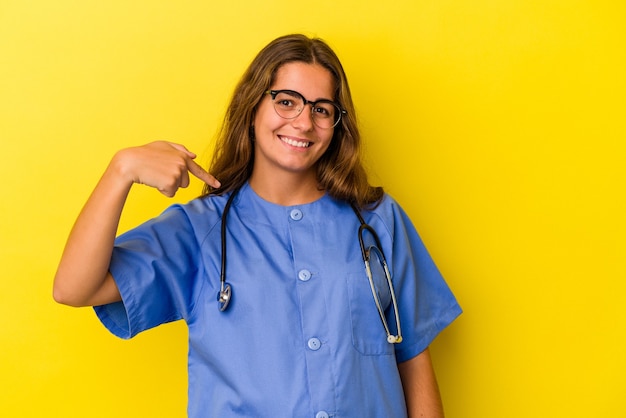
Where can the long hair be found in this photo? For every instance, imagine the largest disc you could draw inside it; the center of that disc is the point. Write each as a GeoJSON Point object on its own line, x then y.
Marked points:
{"type": "Point", "coordinates": [339, 171]}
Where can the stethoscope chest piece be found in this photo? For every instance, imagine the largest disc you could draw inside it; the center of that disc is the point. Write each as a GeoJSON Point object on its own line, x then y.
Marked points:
{"type": "Point", "coordinates": [224, 296]}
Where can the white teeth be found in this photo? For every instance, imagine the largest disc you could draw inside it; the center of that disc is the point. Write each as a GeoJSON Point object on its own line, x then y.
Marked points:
{"type": "Point", "coordinates": [295, 143]}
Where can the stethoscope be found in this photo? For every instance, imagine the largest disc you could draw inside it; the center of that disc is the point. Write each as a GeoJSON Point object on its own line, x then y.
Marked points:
{"type": "Point", "coordinates": [225, 294]}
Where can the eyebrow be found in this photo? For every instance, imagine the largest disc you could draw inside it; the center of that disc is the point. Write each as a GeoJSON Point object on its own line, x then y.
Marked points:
{"type": "Point", "coordinates": [310, 101]}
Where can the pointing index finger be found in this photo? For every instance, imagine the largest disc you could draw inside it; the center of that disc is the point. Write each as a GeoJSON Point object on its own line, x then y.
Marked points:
{"type": "Point", "coordinates": [202, 174]}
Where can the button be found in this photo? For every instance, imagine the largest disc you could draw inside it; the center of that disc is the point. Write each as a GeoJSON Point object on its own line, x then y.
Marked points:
{"type": "Point", "coordinates": [304, 275]}
{"type": "Point", "coordinates": [296, 214]}
{"type": "Point", "coordinates": [314, 344]}
{"type": "Point", "coordinates": [322, 414]}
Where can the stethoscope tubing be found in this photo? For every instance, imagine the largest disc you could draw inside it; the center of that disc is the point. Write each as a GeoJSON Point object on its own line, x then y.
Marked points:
{"type": "Point", "coordinates": [366, 254]}
{"type": "Point", "coordinates": [224, 295]}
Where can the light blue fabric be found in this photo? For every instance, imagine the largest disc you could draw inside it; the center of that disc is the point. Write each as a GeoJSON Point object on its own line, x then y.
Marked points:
{"type": "Point", "coordinates": [302, 336]}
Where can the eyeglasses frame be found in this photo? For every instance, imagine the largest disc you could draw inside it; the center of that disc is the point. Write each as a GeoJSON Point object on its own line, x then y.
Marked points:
{"type": "Point", "coordinates": [340, 112]}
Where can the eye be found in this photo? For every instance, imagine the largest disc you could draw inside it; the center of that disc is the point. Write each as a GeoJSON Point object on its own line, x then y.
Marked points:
{"type": "Point", "coordinates": [284, 102]}
{"type": "Point", "coordinates": [324, 110]}
{"type": "Point", "coordinates": [287, 100]}
{"type": "Point", "coordinates": [320, 110]}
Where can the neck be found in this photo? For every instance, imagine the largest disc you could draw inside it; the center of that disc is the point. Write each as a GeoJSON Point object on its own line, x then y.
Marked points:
{"type": "Point", "coordinates": [286, 190]}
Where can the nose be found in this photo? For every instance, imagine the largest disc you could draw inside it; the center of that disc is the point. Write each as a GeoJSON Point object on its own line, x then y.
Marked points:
{"type": "Point", "coordinates": [304, 120]}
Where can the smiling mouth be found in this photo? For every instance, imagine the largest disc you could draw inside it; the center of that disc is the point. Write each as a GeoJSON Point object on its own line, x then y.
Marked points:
{"type": "Point", "coordinates": [295, 143]}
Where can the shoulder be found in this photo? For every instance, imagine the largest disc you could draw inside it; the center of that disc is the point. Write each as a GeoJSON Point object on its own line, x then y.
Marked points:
{"type": "Point", "coordinates": [388, 211]}
{"type": "Point", "coordinates": [197, 217]}
{"type": "Point", "coordinates": [392, 222]}
{"type": "Point", "coordinates": [201, 213]}
{"type": "Point", "coordinates": [201, 206]}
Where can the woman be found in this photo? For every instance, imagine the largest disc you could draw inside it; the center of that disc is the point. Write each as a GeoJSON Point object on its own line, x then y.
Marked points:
{"type": "Point", "coordinates": [295, 330]}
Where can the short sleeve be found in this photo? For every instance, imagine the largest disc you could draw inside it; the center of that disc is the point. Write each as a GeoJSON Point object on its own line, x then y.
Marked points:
{"type": "Point", "coordinates": [156, 268]}
{"type": "Point", "coordinates": [426, 303]}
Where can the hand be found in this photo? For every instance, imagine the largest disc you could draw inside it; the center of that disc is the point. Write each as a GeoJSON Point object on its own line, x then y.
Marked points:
{"type": "Point", "coordinates": [162, 165]}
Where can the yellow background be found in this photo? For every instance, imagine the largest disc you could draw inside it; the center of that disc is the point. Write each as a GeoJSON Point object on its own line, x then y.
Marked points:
{"type": "Point", "coordinates": [499, 125]}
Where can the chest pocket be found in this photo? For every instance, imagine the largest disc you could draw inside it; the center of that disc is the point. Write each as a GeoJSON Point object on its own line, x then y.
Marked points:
{"type": "Point", "coordinates": [368, 332]}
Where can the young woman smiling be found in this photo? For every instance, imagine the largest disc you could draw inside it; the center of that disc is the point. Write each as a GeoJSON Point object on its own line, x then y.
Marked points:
{"type": "Point", "coordinates": [299, 327]}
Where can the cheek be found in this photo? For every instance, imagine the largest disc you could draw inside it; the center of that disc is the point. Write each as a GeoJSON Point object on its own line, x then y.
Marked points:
{"type": "Point", "coordinates": [266, 117]}
{"type": "Point", "coordinates": [326, 137]}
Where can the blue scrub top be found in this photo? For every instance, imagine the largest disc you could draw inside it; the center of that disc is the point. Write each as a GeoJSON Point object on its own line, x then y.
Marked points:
{"type": "Point", "coordinates": [302, 336]}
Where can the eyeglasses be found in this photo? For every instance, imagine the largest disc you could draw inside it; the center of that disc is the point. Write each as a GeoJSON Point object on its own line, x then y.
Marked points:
{"type": "Point", "coordinates": [288, 104]}
{"type": "Point", "coordinates": [377, 251]}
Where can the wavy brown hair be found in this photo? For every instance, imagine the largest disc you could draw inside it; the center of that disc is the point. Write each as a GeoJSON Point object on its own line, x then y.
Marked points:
{"type": "Point", "coordinates": [339, 171]}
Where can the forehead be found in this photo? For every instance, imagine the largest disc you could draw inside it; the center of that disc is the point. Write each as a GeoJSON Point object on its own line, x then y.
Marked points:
{"type": "Point", "coordinates": [311, 80]}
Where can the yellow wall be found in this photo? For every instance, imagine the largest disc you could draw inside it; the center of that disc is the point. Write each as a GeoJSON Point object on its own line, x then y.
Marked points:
{"type": "Point", "coordinates": [499, 125]}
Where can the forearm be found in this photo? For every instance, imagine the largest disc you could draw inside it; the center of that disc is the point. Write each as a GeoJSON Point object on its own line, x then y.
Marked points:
{"type": "Point", "coordinates": [82, 274]}
{"type": "Point", "coordinates": [420, 387]}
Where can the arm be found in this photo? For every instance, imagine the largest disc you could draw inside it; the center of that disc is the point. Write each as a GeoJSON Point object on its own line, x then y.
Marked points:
{"type": "Point", "coordinates": [83, 277]}
{"type": "Point", "coordinates": [420, 387]}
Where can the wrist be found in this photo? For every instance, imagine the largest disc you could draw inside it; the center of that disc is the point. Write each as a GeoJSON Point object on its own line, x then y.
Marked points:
{"type": "Point", "coordinates": [119, 173]}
